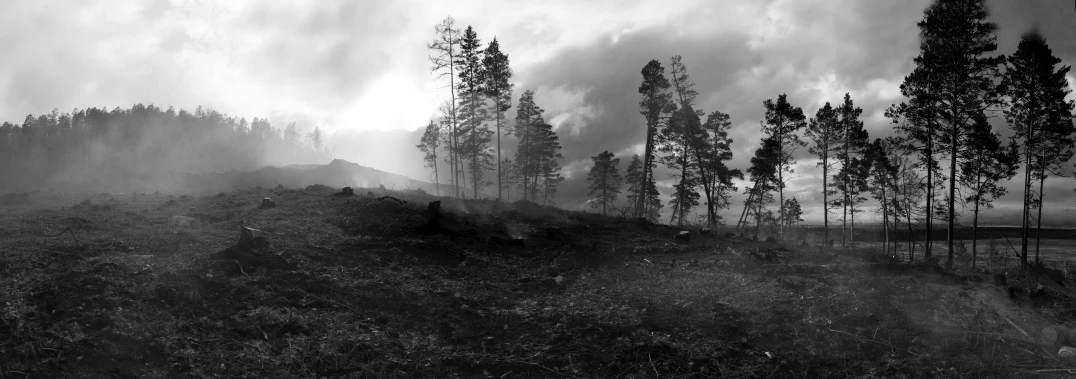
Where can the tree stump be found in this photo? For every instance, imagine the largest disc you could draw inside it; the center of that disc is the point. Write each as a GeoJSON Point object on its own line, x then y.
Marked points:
{"type": "Point", "coordinates": [683, 236]}
{"type": "Point", "coordinates": [267, 203]}
{"type": "Point", "coordinates": [347, 191]}
{"type": "Point", "coordinates": [433, 215]}
{"type": "Point", "coordinates": [495, 240]}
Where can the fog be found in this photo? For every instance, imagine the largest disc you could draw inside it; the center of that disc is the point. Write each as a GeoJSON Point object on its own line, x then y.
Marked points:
{"type": "Point", "coordinates": [143, 148]}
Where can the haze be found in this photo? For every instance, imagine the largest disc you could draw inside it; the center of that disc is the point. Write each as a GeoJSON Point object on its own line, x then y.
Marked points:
{"type": "Point", "coordinates": [359, 70]}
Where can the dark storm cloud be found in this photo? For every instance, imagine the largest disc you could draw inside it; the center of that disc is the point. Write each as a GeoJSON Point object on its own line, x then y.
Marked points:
{"type": "Point", "coordinates": [814, 54]}
{"type": "Point", "coordinates": [351, 66]}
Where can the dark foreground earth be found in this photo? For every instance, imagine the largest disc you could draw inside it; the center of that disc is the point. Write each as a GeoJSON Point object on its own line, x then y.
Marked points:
{"type": "Point", "coordinates": [328, 286]}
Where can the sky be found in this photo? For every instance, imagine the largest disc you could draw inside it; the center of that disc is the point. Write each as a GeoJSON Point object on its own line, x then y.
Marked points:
{"type": "Point", "coordinates": [359, 69]}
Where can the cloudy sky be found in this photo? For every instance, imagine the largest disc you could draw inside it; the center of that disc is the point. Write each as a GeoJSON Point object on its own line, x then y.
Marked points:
{"type": "Point", "coordinates": [359, 69]}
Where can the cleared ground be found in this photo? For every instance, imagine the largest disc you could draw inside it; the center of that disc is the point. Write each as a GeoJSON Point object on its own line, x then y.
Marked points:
{"type": "Point", "coordinates": [346, 286]}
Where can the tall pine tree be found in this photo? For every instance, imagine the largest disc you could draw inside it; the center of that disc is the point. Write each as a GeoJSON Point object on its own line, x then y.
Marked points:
{"type": "Point", "coordinates": [824, 130]}
{"type": "Point", "coordinates": [444, 51]}
{"type": "Point", "coordinates": [782, 124]}
{"type": "Point", "coordinates": [953, 80]}
{"type": "Point", "coordinates": [475, 135]}
{"type": "Point", "coordinates": [498, 89]}
{"type": "Point", "coordinates": [655, 104]}
{"type": "Point", "coordinates": [605, 180]}
{"type": "Point", "coordinates": [1040, 116]}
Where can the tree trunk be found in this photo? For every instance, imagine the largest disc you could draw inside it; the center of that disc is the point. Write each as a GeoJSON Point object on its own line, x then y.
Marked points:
{"type": "Point", "coordinates": [852, 225]}
{"type": "Point", "coordinates": [825, 194]}
{"type": "Point", "coordinates": [844, 219]}
{"type": "Point", "coordinates": [911, 232]}
{"type": "Point", "coordinates": [927, 244]}
{"type": "Point", "coordinates": [975, 232]}
{"type": "Point", "coordinates": [1028, 145]}
{"type": "Point", "coordinates": [605, 194]}
{"type": "Point", "coordinates": [717, 197]}
{"type": "Point", "coordinates": [682, 193]}
{"type": "Point", "coordinates": [710, 219]}
{"type": "Point", "coordinates": [641, 202]}
{"type": "Point", "coordinates": [975, 213]}
{"type": "Point", "coordinates": [454, 154]}
{"type": "Point", "coordinates": [758, 216]}
{"type": "Point", "coordinates": [499, 114]}
{"type": "Point", "coordinates": [885, 222]}
{"type": "Point", "coordinates": [746, 206]}
{"type": "Point", "coordinates": [475, 122]}
{"type": "Point", "coordinates": [1038, 220]}
{"type": "Point", "coordinates": [955, 135]}
{"type": "Point", "coordinates": [781, 187]}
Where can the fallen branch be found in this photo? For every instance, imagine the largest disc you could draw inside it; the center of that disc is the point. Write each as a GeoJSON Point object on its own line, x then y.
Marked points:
{"type": "Point", "coordinates": [240, 266]}
{"type": "Point", "coordinates": [656, 375]}
{"type": "Point", "coordinates": [1017, 327]}
{"type": "Point", "coordinates": [1068, 370]}
{"type": "Point", "coordinates": [66, 230]}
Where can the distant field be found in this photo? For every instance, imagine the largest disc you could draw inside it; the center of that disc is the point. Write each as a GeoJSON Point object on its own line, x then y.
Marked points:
{"type": "Point", "coordinates": [1058, 252]}
{"type": "Point", "coordinates": [1057, 245]}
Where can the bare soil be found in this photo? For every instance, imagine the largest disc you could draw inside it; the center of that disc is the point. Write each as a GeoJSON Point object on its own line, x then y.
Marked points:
{"type": "Point", "coordinates": [150, 285]}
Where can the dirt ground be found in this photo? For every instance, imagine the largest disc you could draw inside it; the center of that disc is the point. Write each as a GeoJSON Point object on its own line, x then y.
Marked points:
{"type": "Point", "coordinates": [327, 286]}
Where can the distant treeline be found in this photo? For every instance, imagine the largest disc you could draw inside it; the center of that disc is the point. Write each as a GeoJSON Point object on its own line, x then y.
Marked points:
{"type": "Point", "coordinates": [876, 234]}
{"type": "Point", "coordinates": [133, 149]}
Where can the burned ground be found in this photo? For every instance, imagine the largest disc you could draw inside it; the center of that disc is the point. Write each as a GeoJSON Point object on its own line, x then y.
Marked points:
{"type": "Point", "coordinates": [346, 286]}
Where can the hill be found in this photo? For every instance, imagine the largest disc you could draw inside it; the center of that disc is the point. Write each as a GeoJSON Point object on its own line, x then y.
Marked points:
{"type": "Point", "coordinates": [337, 173]}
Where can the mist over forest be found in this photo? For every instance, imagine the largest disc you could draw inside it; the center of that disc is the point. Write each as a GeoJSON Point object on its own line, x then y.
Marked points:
{"type": "Point", "coordinates": [143, 148]}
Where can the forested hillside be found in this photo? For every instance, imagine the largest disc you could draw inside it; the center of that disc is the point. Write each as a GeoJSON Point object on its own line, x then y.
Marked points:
{"type": "Point", "coordinates": [131, 149]}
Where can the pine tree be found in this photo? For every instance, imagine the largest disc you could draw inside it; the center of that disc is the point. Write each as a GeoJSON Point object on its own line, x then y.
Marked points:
{"type": "Point", "coordinates": [985, 164]}
{"type": "Point", "coordinates": [316, 139]}
{"type": "Point", "coordinates": [953, 81]}
{"type": "Point", "coordinates": [713, 153]}
{"type": "Point", "coordinates": [499, 90]}
{"type": "Point", "coordinates": [654, 106]}
{"type": "Point", "coordinates": [473, 131]}
{"type": "Point", "coordinates": [675, 154]}
{"type": "Point", "coordinates": [448, 140]}
{"type": "Point", "coordinates": [921, 140]}
{"type": "Point", "coordinates": [528, 117]}
{"type": "Point", "coordinates": [549, 169]}
{"type": "Point", "coordinates": [683, 141]}
{"type": "Point", "coordinates": [537, 152]}
{"type": "Point", "coordinates": [510, 175]}
{"type": "Point", "coordinates": [782, 123]}
{"type": "Point", "coordinates": [443, 53]}
{"type": "Point", "coordinates": [825, 131]}
{"type": "Point", "coordinates": [849, 151]}
{"type": "Point", "coordinates": [634, 176]}
{"type": "Point", "coordinates": [793, 213]}
{"type": "Point", "coordinates": [1040, 117]}
{"type": "Point", "coordinates": [605, 180]}
{"type": "Point", "coordinates": [763, 174]}
{"type": "Point", "coordinates": [881, 180]}
{"type": "Point", "coordinates": [431, 140]}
